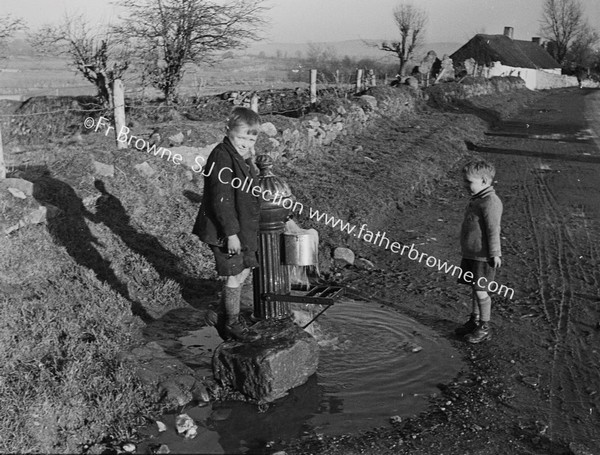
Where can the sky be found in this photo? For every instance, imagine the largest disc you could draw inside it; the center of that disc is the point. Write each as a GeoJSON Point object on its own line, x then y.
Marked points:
{"type": "Point", "coordinates": [304, 21]}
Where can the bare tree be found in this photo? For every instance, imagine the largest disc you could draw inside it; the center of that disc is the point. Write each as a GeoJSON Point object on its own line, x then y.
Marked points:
{"type": "Point", "coordinates": [173, 33]}
{"type": "Point", "coordinates": [317, 53]}
{"type": "Point", "coordinates": [411, 22]}
{"type": "Point", "coordinates": [8, 27]}
{"type": "Point", "coordinates": [561, 23]}
{"type": "Point", "coordinates": [582, 53]}
{"type": "Point", "coordinates": [98, 55]}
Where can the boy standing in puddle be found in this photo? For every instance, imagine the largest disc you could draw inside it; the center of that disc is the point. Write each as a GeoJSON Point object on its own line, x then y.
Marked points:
{"type": "Point", "coordinates": [228, 217]}
{"type": "Point", "coordinates": [480, 244]}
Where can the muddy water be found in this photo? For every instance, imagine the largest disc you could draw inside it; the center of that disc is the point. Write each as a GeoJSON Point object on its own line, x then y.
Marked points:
{"type": "Point", "coordinates": [374, 363]}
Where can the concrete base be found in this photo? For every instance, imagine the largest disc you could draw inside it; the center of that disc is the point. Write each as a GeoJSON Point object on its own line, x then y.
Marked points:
{"type": "Point", "coordinates": [264, 370]}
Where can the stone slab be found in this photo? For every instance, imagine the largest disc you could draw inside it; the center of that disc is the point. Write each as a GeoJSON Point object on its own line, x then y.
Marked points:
{"type": "Point", "coordinates": [194, 157]}
{"type": "Point", "coordinates": [174, 380]}
{"type": "Point", "coordinates": [283, 358]}
{"type": "Point", "coordinates": [20, 184]}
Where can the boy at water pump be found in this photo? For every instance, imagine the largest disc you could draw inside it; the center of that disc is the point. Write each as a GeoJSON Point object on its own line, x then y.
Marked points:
{"type": "Point", "coordinates": [228, 218]}
{"type": "Point", "coordinates": [480, 244]}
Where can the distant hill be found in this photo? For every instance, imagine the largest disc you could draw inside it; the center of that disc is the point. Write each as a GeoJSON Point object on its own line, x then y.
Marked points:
{"type": "Point", "coordinates": [352, 48]}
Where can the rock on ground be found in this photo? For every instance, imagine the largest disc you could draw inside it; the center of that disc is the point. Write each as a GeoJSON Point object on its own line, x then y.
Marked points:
{"type": "Point", "coordinates": [194, 157]}
{"type": "Point", "coordinates": [344, 255]}
{"type": "Point", "coordinates": [104, 170]}
{"type": "Point", "coordinates": [22, 185]}
{"type": "Point", "coordinates": [283, 358]}
{"type": "Point", "coordinates": [269, 129]}
{"type": "Point", "coordinates": [172, 378]}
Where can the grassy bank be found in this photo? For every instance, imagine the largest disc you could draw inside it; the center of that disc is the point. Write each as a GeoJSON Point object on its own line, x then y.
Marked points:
{"type": "Point", "coordinates": [78, 288]}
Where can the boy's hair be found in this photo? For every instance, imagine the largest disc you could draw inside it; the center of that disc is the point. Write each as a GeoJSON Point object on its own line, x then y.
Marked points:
{"type": "Point", "coordinates": [479, 168]}
{"type": "Point", "coordinates": [243, 116]}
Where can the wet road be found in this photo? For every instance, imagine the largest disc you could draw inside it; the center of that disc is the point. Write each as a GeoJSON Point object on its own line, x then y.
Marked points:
{"type": "Point", "coordinates": [535, 387]}
{"type": "Point", "coordinates": [552, 232]}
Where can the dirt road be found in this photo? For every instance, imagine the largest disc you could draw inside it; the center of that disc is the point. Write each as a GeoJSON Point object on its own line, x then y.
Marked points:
{"type": "Point", "coordinates": [552, 233]}
{"type": "Point", "coordinates": [534, 388]}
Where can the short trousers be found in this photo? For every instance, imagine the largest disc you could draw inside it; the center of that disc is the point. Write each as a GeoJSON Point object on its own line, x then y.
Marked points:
{"type": "Point", "coordinates": [483, 274]}
{"type": "Point", "coordinates": [231, 265]}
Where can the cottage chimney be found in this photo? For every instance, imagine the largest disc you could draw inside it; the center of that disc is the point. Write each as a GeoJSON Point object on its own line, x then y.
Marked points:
{"type": "Point", "coordinates": [508, 31]}
{"type": "Point", "coordinates": [537, 40]}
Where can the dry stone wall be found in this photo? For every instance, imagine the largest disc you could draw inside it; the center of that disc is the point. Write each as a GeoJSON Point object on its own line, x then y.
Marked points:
{"type": "Point", "coordinates": [471, 87]}
{"type": "Point", "coordinates": [317, 130]}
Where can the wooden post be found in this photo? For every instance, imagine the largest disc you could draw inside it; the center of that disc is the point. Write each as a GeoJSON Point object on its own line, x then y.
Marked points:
{"type": "Point", "coordinates": [313, 86]}
{"type": "Point", "coordinates": [2, 164]}
{"type": "Point", "coordinates": [359, 81]}
{"type": "Point", "coordinates": [119, 113]}
{"type": "Point", "coordinates": [254, 103]}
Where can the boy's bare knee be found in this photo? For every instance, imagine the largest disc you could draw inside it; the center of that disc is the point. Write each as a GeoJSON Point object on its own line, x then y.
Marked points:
{"type": "Point", "coordinates": [481, 295]}
{"type": "Point", "coordinates": [231, 281]}
{"type": "Point", "coordinates": [235, 281]}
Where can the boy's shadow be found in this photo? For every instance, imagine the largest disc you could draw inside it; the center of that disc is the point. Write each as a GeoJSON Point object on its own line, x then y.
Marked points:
{"type": "Point", "coordinates": [70, 230]}
{"type": "Point", "coordinates": [113, 215]}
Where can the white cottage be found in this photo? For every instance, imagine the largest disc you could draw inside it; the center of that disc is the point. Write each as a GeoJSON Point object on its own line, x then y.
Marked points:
{"type": "Point", "coordinates": [501, 55]}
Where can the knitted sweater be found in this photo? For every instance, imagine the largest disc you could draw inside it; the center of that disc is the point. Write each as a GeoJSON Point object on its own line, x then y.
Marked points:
{"type": "Point", "coordinates": [480, 232]}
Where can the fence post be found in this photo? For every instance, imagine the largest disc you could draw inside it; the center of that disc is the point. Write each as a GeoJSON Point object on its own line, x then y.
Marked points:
{"type": "Point", "coordinates": [119, 111]}
{"type": "Point", "coordinates": [359, 81]}
{"type": "Point", "coordinates": [2, 164]}
{"type": "Point", "coordinates": [313, 86]}
{"type": "Point", "coordinates": [254, 103]}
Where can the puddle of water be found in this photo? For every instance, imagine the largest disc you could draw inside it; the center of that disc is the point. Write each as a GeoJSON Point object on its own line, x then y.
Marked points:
{"type": "Point", "coordinates": [580, 136]}
{"type": "Point", "coordinates": [579, 157]}
{"type": "Point", "coordinates": [374, 363]}
{"type": "Point", "coordinates": [557, 133]}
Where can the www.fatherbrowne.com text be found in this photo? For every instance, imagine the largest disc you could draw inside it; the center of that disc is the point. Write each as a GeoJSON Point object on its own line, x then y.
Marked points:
{"type": "Point", "coordinates": [381, 239]}
{"type": "Point", "coordinates": [248, 185]}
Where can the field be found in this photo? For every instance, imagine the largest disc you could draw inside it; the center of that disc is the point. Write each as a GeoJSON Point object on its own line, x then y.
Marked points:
{"type": "Point", "coordinates": [23, 77]}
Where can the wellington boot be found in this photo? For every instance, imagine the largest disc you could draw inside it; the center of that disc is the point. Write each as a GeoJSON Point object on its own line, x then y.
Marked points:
{"type": "Point", "coordinates": [482, 333]}
{"type": "Point", "coordinates": [238, 332]}
{"type": "Point", "coordinates": [468, 327]}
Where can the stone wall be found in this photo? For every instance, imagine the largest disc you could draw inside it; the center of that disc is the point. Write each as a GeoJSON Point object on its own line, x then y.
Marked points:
{"type": "Point", "coordinates": [291, 138]}
{"type": "Point", "coordinates": [546, 80]}
{"type": "Point", "coordinates": [471, 87]}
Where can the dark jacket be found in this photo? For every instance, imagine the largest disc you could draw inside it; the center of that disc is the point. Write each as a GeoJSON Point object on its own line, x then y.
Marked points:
{"type": "Point", "coordinates": [226, 210]}
{"type": "Point", "coordinates": [480, 232]}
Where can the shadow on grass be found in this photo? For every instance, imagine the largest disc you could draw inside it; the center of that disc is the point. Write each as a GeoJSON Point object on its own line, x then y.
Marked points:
{"type": "Point", "coordinates": [70, 230]}
{"type": "Point", "coordinates": [110, 212]}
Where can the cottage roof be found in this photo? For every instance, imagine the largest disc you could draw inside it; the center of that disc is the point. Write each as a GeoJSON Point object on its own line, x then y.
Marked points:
{"type": "Point", "coordinates": [485, 49]}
